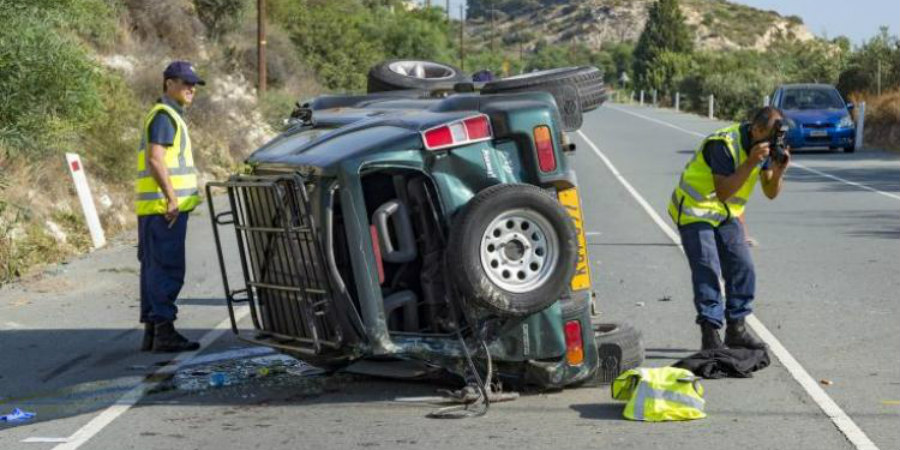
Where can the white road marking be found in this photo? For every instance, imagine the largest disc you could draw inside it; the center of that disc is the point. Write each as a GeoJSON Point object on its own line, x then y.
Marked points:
{"type": "Point", "coordinates": [44, 440]}
{"type": "Point", "coordinates": [793, 163]}
{"type": "Point", "coordinates": [831, 409]}
{"type": "Point", "coordinates": [130, 398]}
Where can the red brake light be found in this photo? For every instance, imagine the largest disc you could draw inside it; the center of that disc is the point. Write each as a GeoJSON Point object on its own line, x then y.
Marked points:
{"type": "Point", "coordinates": [478, 127]}
{"type": "Point", "coordinates": [460, 132]}
{"type": "Point", "coordinates": [438, 137]}
{"type": "Point", "coordinates": [543, 142]}
{"type": "Point", "coordinates": [574, 343]}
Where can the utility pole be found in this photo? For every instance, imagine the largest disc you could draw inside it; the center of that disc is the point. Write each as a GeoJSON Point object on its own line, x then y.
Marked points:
{"type": "Point", "coordinates": [493, 32]}
{"type": "Point", "coordinates": [448, 12]}
{"type": "Point", "coordinates": [261, 45]}
{"type": "Point", "coordinates": [462, 39]}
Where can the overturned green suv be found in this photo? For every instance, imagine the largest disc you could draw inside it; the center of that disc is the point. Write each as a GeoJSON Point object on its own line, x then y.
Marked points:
{"type": "Point", "coordinates": [433, 220]}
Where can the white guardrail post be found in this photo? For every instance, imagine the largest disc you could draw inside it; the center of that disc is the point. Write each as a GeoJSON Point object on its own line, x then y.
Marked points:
{"type": "Point", "coordinates": [642, 97]}
{"type": "Point", "coordinates": [712, 101]}
{"type": "Point", "coordinates": [654, 98]}
{"type": "Point", "coordinates": [677, 101]}
{"type": "Point", "coordinates": [860, 124]}
{"type": "Point", "coordinates": [87, 201]}
{"type": "Point", "coordinates": [766, 101]}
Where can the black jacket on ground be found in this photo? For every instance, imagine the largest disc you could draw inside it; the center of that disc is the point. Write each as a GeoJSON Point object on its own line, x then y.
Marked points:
{"type": "Point", "coordinates": [725, 362]}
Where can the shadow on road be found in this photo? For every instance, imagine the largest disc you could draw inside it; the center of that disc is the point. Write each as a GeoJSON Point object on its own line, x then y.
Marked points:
{"type": "Point", "coordinates": [600, 411]}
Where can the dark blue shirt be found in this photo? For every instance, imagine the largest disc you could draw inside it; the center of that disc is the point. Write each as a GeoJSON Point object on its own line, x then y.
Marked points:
{"type": "Point", "coordinates": [162, 127]}
{"type": "Point", "coordinates": [719, 159]}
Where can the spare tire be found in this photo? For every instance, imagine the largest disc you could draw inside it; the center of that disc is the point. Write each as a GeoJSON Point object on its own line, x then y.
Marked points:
{"type": "Point", "coordinates": [512, 250]}
{"type": "Point", "coordinates": [587, 80]}
{"type": "Point", "coordinates": [619, 348]}
{"type": "Point", "coordinates": [406, 74]}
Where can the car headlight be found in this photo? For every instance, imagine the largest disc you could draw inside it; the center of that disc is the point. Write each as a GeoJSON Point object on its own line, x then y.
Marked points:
{"type": "Point", "coordinates": [846, 122]}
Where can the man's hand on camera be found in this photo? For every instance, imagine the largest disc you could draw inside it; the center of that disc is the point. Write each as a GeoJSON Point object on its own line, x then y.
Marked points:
{"type": "Point", "coordinates": [782, 165]}
{"type": "Point", "coordinates": [759, 153]}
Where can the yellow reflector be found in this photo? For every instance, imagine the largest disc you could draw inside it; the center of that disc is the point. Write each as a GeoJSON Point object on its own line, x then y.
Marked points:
{"type": "Point", "coordinates": [568, 198]}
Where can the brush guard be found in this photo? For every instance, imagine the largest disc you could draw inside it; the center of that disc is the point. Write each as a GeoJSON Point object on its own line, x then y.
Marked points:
{"type": "Point", "coordinates": [290, 283]}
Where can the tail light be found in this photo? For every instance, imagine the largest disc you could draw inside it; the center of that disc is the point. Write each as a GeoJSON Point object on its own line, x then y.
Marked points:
{"type": "Point", "coordinates": [376, 248]}
{"type": "Point", "coordinates": [461, 132]}
{"type": "Point", "coordinates": [574, 343]}
{"type": "Point", "coordinates": [543, 142]}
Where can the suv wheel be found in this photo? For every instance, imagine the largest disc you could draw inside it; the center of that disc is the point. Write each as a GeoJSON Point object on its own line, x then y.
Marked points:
{"type": "Point", "coordinates": [411, 74]}
{"type": "Point", "coordinates": [512, 250]}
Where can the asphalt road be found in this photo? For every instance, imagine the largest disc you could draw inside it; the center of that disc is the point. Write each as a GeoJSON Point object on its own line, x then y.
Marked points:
{"type": "Point", "coordinates": [827, 290]}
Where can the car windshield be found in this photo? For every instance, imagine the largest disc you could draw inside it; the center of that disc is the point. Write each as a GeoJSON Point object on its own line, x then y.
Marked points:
{"type": "Point", "coordinates": [811, 98]}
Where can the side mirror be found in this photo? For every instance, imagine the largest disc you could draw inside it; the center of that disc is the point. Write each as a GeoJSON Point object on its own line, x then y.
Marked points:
{"type": "Point", "coordinates": [850, 106]}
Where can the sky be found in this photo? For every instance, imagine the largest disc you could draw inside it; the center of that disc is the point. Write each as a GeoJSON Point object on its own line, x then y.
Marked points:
{"type": "Point", "coordinates": [857, 19]}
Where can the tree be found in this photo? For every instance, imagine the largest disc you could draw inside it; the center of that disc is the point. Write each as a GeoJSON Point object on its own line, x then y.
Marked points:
{"type": "Point", "coordinates": [665, 32]}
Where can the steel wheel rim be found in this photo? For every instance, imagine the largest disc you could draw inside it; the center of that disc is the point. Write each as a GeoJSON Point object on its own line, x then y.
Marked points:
{"type": "Point", "coordinates": [422, 69]}
{"type": "Point", "coordinates": [519, 250]}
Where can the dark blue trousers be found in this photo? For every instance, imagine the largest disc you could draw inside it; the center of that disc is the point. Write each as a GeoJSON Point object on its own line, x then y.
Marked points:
{"type": "Point", "coordinates": [161, 252]}
{"type": "Point", "coordinates": [715, 252]}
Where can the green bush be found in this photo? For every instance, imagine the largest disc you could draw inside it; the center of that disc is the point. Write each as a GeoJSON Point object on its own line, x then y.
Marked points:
{"type": "Point", "coordinates": [219, 16]}
{"type": "Point", "coordinates": [50, 88]}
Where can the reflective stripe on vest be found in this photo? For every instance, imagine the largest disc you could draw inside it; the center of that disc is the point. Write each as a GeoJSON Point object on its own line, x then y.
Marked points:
{"type": "Point", "coordinates": [149, 198]}
{"type": "Point", "coordinates": [694, 199]}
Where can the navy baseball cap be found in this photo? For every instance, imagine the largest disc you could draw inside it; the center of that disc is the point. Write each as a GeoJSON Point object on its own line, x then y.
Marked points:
{"type": "Point", "coordinates": [184, 71]}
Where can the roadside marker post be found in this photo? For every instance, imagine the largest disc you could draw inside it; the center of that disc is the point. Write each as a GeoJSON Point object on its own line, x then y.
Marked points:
{"type": "Point", "coordinates": [766, 101]}
{"type": "Point", "coordinates": [677, 101]}
{"type": "Point", "coordinates": [654, 98]}
{"type": "Point", "coordinates": [860, 123]}
{"type": "Point", "coordinates": [712, 101]}
{"type": "Point", "coordinates": [642, 97]}
{"type": "Point", "coordinates": [87, 201]}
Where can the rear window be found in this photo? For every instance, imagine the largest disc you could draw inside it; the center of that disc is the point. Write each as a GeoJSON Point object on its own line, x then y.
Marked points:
{"type": "Point", "coordinates": [811, 98]}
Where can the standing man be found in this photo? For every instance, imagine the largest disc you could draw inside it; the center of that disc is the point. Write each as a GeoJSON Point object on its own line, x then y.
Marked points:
{"type": "Point", "coordinates": [166, 192]}
{"type": "Point", "coordinates": [706, 204]}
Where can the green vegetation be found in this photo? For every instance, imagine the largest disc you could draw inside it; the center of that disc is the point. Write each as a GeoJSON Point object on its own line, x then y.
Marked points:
{"type": "Point", "coordinates": [663, 50]}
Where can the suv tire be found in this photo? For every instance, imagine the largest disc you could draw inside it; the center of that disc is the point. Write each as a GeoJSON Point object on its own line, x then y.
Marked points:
{"type": "Point", "coordinates": [587, 80]}
{"type": "Point", "coordinates": [512, 250]}
{"type": "Point", "coordinates": [411, 74]}
{"type": "Point", "coordinates": [619, 348]}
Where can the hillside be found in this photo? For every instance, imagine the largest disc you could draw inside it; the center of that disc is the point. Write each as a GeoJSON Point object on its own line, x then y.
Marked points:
{"type": "Point", "coordinates": [717, 24]}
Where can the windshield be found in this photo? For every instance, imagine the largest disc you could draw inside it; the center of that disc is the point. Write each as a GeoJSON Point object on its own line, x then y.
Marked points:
{"type": "Point", "coordinates": [812, 98]}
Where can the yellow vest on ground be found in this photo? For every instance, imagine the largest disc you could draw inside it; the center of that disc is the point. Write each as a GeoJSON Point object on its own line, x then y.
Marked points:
{"type": "Point", "coordinates": [694, 199]}
{"type": "Point", "coordinates": [660, 394]}
{"type": "Point", "coordinates": [149, 198]}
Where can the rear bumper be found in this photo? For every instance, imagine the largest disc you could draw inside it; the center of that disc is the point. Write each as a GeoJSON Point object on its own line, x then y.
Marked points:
{"type": "Point", "coordinates": [832, 138]}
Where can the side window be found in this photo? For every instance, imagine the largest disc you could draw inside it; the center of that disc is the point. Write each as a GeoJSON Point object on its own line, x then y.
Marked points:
{"type": "Point", "coordinates": [776, 98]}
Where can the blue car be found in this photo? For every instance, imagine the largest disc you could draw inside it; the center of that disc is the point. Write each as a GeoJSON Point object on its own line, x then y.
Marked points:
{"type": "Point", "coordinates": [817, 116]}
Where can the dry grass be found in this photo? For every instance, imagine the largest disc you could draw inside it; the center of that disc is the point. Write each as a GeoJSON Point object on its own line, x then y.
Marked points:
{"type": "Point", "coordinates": [882, 127]}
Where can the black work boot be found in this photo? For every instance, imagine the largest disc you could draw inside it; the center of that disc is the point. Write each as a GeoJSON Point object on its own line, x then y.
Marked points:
{"type": "Point", "coordinates": [711, 339]}
{"type": "Point", "coordinates": [149, 333]}
{"type": "Point", "coordinates": [737, 336]}
{"type": "Point", "coordinates": [167, 340]}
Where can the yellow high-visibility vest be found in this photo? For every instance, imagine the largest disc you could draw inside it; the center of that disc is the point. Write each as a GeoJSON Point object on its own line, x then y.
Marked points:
{"type": "Point", "coordinates": [660, 394]}
{"type": "Point", "coordinates": [694, 199]}
{"type": "Point", "coordinates": [149, 198]}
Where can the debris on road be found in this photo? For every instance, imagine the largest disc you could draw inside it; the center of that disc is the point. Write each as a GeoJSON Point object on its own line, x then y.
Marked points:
{"type": "Point", "coordinates": [17, 415]}
{"type": "Point", "coordinates": [666, 298]}
{"type": "Point", "coordinates": [826, 382]}
{"type": "Point", "coordinates": [640, 304]}
{"type": "Point", "coordinates": [238, 371]}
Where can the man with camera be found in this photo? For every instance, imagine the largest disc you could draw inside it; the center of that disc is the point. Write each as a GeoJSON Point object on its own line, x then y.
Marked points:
{"type": "Point", "coordinates": [711, 194]}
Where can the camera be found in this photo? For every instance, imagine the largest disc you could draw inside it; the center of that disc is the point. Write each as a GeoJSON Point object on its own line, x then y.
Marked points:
{"type": "Point", "coordinates": [776, 143]}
